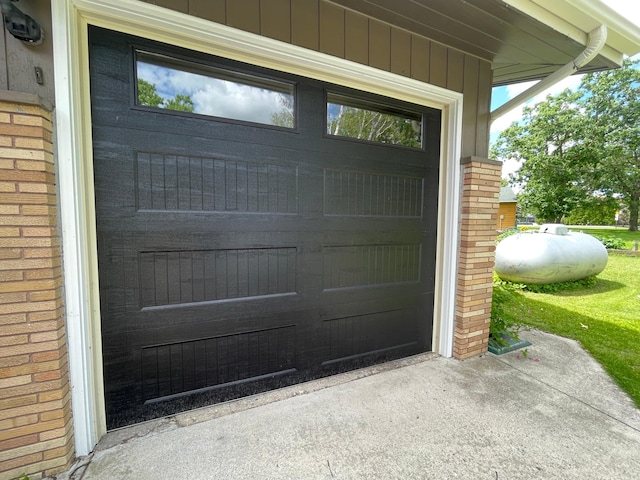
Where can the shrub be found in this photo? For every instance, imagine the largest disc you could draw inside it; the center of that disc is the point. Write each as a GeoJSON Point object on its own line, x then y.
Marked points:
{"type": "Point", "coordinates": [613, 243]}
{"type": "Point", "coordinates": [588, 282]}
{"type": "Point", "coordinates": [505, 234]}
{"type": "Point", "coordinates": [503, 321]}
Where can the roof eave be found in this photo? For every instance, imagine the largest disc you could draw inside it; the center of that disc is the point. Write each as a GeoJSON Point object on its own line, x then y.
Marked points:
{"type": "Point", "coordinates": [575, 18]}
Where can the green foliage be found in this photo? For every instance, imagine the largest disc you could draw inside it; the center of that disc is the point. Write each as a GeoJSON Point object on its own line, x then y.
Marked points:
{"type": "Point", "coordinates": [587, 282]}
{"type": "Point", "coordinates": [148, 96]}
{"type": "Point", "coordinates": [506, 233]}
{"type": "Point", "coordinates": [614, 243]}
{"type": "Point", "coordinates": [603, 317]}
{"type": "Point", "coordinates": [545, 142]}
{"type": "Point", "coordinates": [612, 104]}
{"type": "Point", "coordinates": [284, 117]}
{"type": "Point", "coordinates": [180, 102]}
{"type": "Point", "coordinates": [502, 322]}
{"type": "Point", "coordinates": [584, 283]}
{"type": "Point", "coordinates": [577, 147]}
{"type": "Point", "coordinates": [594, 211]}
{"type": "Point", "coordinates": [374, 126]}
{"type": "Point", "coordinates": [612, 237]}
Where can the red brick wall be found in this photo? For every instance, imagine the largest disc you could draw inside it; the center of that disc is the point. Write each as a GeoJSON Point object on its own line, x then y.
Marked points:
{"type": "Point", "coordinates": [36, 436]}
{"type": "Point", "coordinates": [480, 197]}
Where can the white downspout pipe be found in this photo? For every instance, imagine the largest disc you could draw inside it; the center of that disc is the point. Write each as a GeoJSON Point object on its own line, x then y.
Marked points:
{"type": "Point", "coordinates": [597, 39]}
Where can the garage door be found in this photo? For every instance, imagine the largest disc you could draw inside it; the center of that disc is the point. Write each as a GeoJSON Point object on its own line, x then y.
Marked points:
{"type": "Point", "coordinates": [254, 229]}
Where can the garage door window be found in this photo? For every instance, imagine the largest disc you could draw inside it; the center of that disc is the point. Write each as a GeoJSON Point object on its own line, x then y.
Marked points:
{"type": "Point", "coordinates": [173, 84]}
{"type": "Point", "coordinates": [363, 120]}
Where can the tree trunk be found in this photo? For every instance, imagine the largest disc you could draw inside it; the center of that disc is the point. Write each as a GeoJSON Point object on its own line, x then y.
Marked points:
{"type": "Point", "coordinates": [633, 214]}
{"type": "Point", "coordinates": [338, 121]}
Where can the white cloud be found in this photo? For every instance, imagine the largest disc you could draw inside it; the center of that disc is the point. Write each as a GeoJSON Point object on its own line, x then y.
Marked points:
{"type": "Point", "coordinates": [231, 100]}
{"type": "Point", "coordinates": [213, 96]}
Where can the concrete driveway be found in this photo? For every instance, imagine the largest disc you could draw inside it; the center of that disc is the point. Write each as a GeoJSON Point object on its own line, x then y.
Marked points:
{"type": "Point", "coordinates": [555, 414]}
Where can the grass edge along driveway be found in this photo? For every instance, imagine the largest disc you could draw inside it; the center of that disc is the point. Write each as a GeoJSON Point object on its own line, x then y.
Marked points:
{"type": "Point", "coordinates": [605, 319]}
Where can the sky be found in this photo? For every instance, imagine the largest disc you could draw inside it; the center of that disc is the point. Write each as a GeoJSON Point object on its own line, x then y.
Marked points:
{"type": "Point", "coordinates": [629, 8]}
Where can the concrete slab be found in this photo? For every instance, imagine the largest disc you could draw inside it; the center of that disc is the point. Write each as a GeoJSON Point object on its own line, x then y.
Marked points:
{"type": "Point", "coordinates": [555, 414]}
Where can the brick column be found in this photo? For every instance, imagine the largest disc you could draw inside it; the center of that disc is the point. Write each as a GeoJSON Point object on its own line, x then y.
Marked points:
{"type": "Point", "coordinates": [480, 203]}
{"type": "Point", "coordinates": [36, 436]}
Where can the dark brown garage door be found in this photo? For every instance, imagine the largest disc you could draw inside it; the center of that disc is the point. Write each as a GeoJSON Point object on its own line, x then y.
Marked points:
{"type": "Point", "coordinates": [240, 252]}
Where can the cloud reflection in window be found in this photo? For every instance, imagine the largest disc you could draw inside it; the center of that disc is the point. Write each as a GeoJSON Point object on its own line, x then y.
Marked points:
{"type": "Point", "coordinates": [173, 84]}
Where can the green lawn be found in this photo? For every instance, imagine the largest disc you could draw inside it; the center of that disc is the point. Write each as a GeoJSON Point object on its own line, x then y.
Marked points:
{"type": "Point", "coordinates": [623, 233]}
{"type": "Point", "coordinates": [620, 232]}
{"type": "Point", "coordinates": [605, 319]}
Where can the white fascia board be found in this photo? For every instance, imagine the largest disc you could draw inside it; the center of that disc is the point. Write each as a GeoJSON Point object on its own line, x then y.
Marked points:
{"type": "Point", "coordinates": [576, 18]}
{"type": "Point", "coordinates": [624, 35]}
{"type": "Point", "coordinates": [548, 17]}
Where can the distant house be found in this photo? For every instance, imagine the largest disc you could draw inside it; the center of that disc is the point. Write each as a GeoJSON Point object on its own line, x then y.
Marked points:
{"type": "Point", "coordinates": [507, 209]}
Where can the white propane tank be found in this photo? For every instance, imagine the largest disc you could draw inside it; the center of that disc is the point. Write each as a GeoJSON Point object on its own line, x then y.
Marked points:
{"type": "Point", "coordinates": [553, 254]}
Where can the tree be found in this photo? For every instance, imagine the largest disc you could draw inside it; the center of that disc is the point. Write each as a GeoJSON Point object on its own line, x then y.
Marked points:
{"type": "Point", "coordinates": [148, 96]}
{"type": "Point", "coordinates": [180, 102]}
{"type": "Point", "coordinates": [612, 104]}
{"type": "Point", "coordinates": [375, 126]}
{"type": "Point", "coordinates": [578, 147]}
{"type": "Point", "coordinates": [600, 211]}
{"type": "Point", "coordinates": [284, 117]}
{"type": "Point", "coordinates": [545, 142]}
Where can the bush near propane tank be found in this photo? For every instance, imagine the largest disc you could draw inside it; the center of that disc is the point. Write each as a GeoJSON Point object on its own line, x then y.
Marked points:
{"type": "Point", "coordinates": [553, 254]}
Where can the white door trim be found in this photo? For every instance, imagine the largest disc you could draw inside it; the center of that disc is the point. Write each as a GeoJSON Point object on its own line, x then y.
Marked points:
{"type": "Point", "coordinates": [74, 156]}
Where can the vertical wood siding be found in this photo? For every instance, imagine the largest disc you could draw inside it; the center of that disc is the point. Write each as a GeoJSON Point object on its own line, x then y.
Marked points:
{"type": "Point", "coordinates": [322, 26]}
{"type": "Point", "coordinates": [18, 60]}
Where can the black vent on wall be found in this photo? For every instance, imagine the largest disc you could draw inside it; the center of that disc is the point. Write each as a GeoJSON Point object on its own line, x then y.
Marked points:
{"type": "Point", "coordinates": [21, 25]}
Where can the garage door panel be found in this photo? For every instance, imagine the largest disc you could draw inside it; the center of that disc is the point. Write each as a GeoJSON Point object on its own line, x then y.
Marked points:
{"type": "Point", "coordinates": [359, 335]}
{"type": "Point", "coordinates": [189, 183]}
{"type": "Point", "coordinates": [353, 266]}
{"type": "Point", "coordinates": [390, 319]}
{"type": "Point", "coordinates": [183, 366]}
{"type": "Point", "coordinates": [189, 315]}
{"type": "Point", "coordinates": [185, 125]}
{"type": "Point", "coordinates": [170, 182]}
{"type": "Point", "coordinates": [170, 325]}
{"type": "Point", "coordinates": [263, 344]}
{"type": "Point", "coordinates": [364, 193]}
{"type": "Point", "coordinates": [190, 277]}
{"type": "Point", "coordinates": [207, 181]}
{"type": "Point", "coordinates": [376, 159]}
{"type": "Point", "coordinates": [186, 366]}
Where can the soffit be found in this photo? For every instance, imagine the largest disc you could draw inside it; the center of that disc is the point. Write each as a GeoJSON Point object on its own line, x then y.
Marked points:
{"type": "Point", "coordinates": [523, 39]}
